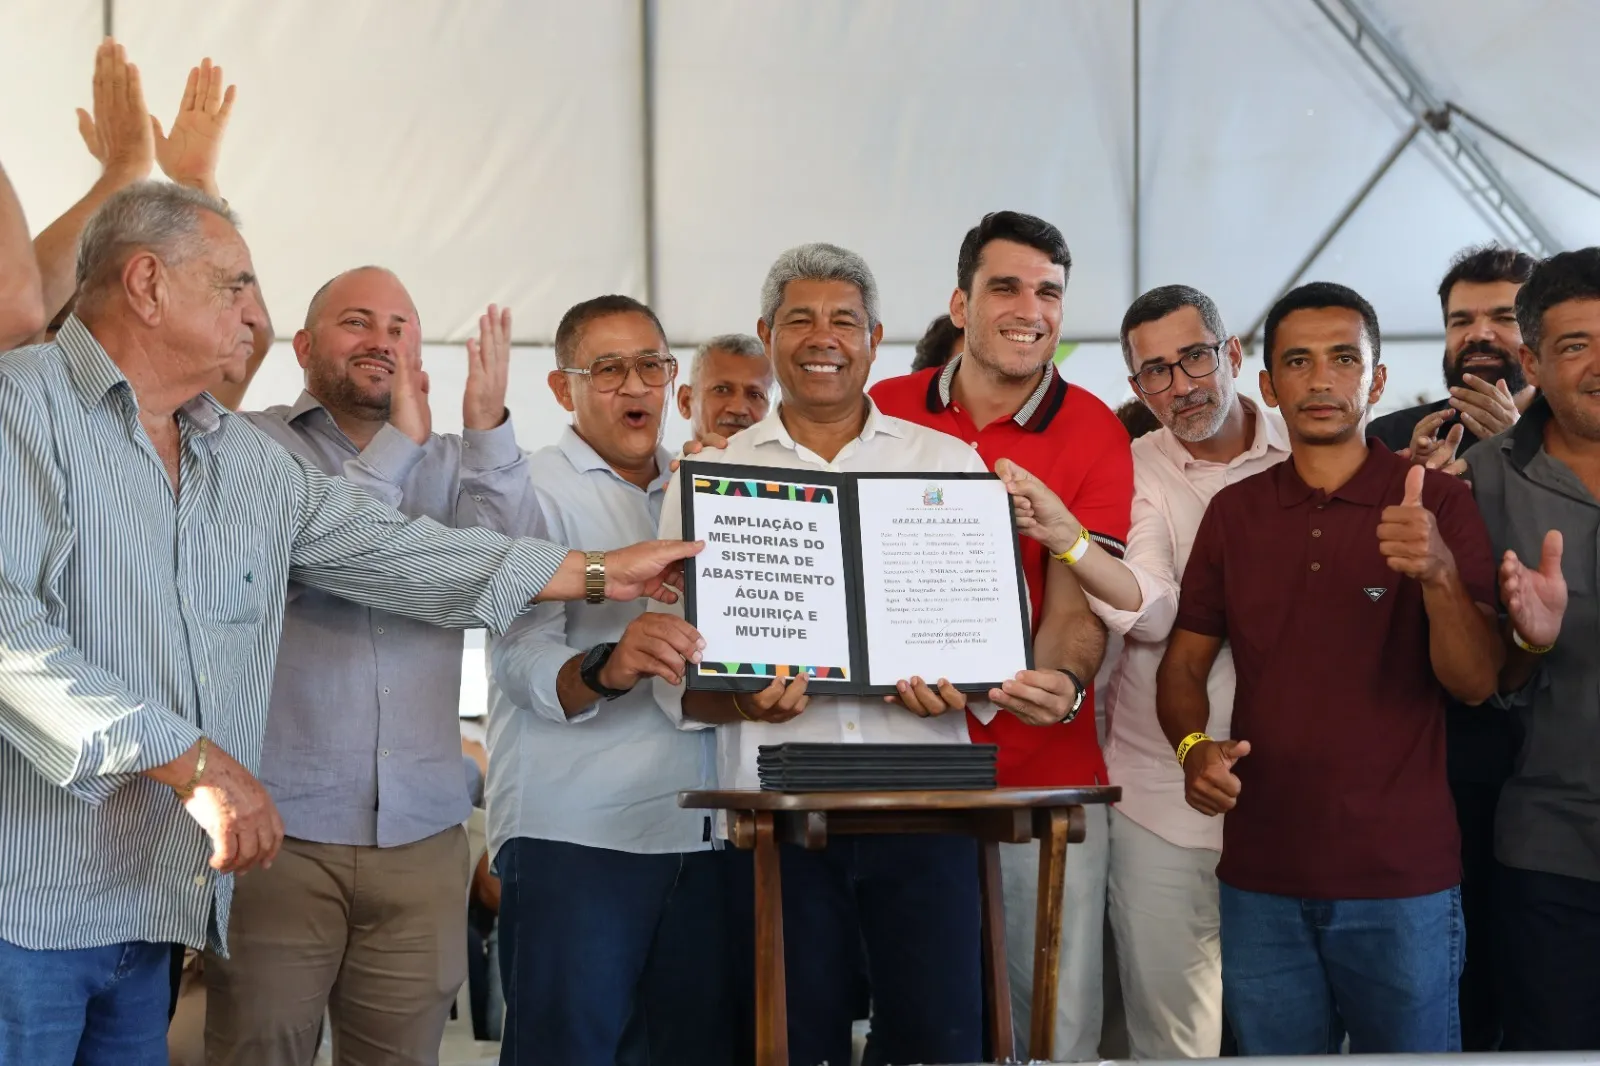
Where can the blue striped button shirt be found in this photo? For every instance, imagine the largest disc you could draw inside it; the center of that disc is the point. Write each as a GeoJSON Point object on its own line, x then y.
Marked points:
{"type": "Point", "coordinates": [132, 619]}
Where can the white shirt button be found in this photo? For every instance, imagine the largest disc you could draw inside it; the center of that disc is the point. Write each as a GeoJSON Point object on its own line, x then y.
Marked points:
{"type": "Point", "coordinates": [385, 692]}
{"type": "Point", "coordinates": [384, 753]}
{"type": "Point", "coordinates": [202, 679]}
{"type": "Point", "coordinates": [380, 629]}
{"type": "Point", "coordinates": [200, 880]}
{"type": "Point", "coordinates": [475, 496]}
{"type": "Point", "coordinates": [850, 726]}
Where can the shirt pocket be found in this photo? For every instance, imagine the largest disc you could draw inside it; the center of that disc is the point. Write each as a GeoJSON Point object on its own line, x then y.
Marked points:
{"type": "Point", "coordinates": [231, 582]}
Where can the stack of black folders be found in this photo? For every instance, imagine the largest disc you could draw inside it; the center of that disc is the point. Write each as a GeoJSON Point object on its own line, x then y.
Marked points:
{"type": "Point", "coordinates": [875, 767]}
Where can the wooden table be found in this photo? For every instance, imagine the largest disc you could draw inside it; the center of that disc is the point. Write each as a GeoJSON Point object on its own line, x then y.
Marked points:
{"type": "Point", "coordinates": [759, 820]}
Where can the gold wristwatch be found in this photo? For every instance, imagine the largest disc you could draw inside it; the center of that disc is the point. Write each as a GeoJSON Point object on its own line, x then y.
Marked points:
{"type": "Point", "coordinates": [594, 577]}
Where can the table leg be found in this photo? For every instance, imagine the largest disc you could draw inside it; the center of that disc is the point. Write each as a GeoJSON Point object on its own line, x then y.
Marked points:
{"type": "Point", "coordinates": [996, 977]}
{"type": "Point", "coordinates": [1052, 827]}
{"type": "Point", "coordinates": [772, 1010]}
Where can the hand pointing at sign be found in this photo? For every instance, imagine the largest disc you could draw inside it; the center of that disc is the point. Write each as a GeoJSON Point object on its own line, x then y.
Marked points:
{"type": "Point", "coordinates": [1408, 536]}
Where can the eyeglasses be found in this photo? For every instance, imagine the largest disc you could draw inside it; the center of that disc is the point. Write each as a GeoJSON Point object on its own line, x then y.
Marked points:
{"type": "Point", "coordinates": [1198, 363]}
{"type": "Point", "coordinates": [608, 374]}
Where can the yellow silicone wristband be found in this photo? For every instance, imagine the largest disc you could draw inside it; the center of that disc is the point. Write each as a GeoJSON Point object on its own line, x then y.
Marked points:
{"type": "Point", "coordinates": [1076, 552]}
{"type": "Point", "coordinates": [1189, 742]}
{"type": "Point", "coordinates": [1531, 649]}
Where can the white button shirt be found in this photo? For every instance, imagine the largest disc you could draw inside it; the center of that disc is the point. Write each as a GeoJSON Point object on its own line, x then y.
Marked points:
{"type": "Point", "coordinates": [1171, 490]}
{"type": "Point", "coordinates": [609, 776]}
{"type": "Point", "coordinates": [885, 445]}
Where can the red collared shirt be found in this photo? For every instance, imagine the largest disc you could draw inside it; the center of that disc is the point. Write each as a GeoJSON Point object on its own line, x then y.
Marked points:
{"type": "Point", "coordinates": [1344, 793]}
{"type": "Point", "coordinates": [1074, 444]}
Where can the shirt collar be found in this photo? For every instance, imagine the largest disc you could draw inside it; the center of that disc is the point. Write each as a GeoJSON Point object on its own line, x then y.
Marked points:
{"type": "Point", "coordinates": [585, 459]}
{"type": "Point", "coordinates": [1034, 416]}
{"type": "Point", "coordinates": [305, 405]}
{"type": "Point", "coordinates": [1526, 438]}
{"type": "Point", "coordinates": [771, 428]}
{"type": "Point", "coordinates": [1366, 487]}
{"type": "Point", "coordinates": [94, 374]}
{"type": "Point", "coordinates": [1270, 435]}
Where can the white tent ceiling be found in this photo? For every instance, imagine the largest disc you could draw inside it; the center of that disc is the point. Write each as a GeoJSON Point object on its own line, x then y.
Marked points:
{"type": "Point", "coordinates": [536, 153]}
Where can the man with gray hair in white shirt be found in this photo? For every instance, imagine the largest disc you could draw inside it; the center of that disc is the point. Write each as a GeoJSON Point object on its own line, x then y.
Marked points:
{"type": "Point", "coordinates": [910, 902]}
{"type": "Point", "coordinates": [1162, 890]}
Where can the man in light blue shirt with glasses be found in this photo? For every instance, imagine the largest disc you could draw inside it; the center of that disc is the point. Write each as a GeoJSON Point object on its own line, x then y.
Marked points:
{"type": "Point", "coordinates": [611, 898]}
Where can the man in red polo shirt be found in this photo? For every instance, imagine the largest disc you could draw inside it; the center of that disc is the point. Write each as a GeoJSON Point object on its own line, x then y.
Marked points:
{"type": "Point", "coordinates": [1003, 396]}
{"type": "Point", "coordinates": [1356, 592]}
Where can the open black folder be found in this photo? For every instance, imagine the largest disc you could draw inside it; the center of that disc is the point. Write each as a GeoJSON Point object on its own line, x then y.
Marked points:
{"type": "Point", "coordinates": [855, 581]}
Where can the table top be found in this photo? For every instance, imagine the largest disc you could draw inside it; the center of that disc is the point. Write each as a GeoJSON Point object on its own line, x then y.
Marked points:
{"type": "Point", "coordinates": [754, 799]}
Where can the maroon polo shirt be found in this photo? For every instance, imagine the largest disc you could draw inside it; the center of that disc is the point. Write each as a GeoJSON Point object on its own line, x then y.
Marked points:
{"type": "Point", "coordinates": [1343, 792]}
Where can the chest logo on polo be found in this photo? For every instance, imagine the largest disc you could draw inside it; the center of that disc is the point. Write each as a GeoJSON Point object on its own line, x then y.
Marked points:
{"type": "Point", "coordinates": [1374, 594]}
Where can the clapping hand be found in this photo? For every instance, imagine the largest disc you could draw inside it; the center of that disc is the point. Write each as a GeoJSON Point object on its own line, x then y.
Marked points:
{"type": "Point", "coordinates": [188, 155]}
{"type": "Point", "coordinates": [483, 404]}
{"type": "Point", "coordinates": [120, 133]}
{"type": "Point", "coordinates": [1536, 600]}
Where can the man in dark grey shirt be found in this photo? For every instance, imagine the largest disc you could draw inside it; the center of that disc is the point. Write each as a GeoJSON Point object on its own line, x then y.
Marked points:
{"type": "Point", "coordinates": [1487, 390]}
{"type": "Point", "coordinates": [1538, 486]}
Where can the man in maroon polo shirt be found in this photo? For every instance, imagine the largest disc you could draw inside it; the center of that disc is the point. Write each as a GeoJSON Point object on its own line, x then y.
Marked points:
{"type": "Point", "coordinates": [1356, 592]}
{"type": "Point", "coordinates": [1003, 396]}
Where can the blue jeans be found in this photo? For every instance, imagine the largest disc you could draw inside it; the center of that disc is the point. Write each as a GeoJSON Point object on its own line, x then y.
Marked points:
{"type": "Point", "coordinates": [89, 1007]}
{"type": "Point", "coordinates": [1298, 974]}
{"type": "Point", "coordinates": [909, 904]}
{"type": "Point", "coordinates": [609, 957]}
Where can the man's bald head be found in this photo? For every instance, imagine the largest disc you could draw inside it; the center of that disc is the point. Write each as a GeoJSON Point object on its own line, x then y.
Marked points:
{"type": "Point", "coordinates": [319, 299]}
{"type": "Point", "coordinates": [355, 327]}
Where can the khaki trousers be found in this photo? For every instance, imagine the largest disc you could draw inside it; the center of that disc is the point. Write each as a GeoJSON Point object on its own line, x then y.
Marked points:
{"type": "Point", "coordinates": [376, 936]}
{"type": "Point", "coordinates": [1162, 901]}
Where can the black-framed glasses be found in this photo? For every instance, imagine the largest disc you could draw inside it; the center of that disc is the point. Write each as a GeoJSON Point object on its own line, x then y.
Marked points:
{"type": "Point", "coordinates": [1156, 378]}
{"type": "Point", "coordinates": [608, 373]}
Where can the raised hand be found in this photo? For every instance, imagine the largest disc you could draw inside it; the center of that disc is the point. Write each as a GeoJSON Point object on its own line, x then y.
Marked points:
{"type": "Point", "coordinates": [1485, 409]}
{"type": "Point", "coordinates": [188, 155]}
{"type": "Point", "coordinates": [655, 644]}
{"type": "Point", "coordinates": [1209, 783]}
{"type": "Point", "coordinates": [925, 700]}
{"type": "Point", "coordinates": [1040, 512]}
{"type": "Point", "coordinates": [483, 404]}
{"type": "Point", "coordinates": [119, 133]}
{"type": "Point", "coordinates": [653, 568]}
{"type": "Point", "coordinates": [1536, 600]}
{"type": "Point", "coordinates": [1408, 535]}
{"type": "Point", "coordinates": [408, 395]}
{"type": "Point", "coordinates": [780, 701]}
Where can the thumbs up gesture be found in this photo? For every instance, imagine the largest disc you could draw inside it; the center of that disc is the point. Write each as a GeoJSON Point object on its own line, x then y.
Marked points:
{"type": "Point", "coordinates": [1209, 783]}
{"type": "Point", "coordinates": [1408, 536]}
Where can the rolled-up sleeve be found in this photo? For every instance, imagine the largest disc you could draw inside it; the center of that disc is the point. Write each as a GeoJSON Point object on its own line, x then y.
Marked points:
{"type": "Point", "coordinates": [78, 724]}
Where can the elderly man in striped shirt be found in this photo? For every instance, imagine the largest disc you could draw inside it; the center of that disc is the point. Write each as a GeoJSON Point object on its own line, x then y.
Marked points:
{"type": "Point", "coordinates": [146, 541]}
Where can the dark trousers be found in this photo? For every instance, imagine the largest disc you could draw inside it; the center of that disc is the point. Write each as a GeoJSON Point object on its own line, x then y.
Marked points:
{"type": "Point", "coordinates": [1550, 961]}
{"type": "Point", "coordinates": [910, 904]}
{"type": "Point", "coordinates": [608, 957]}
{"type": "Point", "coordinates": [1479, 989]}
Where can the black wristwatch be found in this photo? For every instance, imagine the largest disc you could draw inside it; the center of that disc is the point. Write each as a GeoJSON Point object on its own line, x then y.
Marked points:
{"type": "Point", "coordinates": [1077, 704]}
{"type": "Point", "coordinates": [593, 663]}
